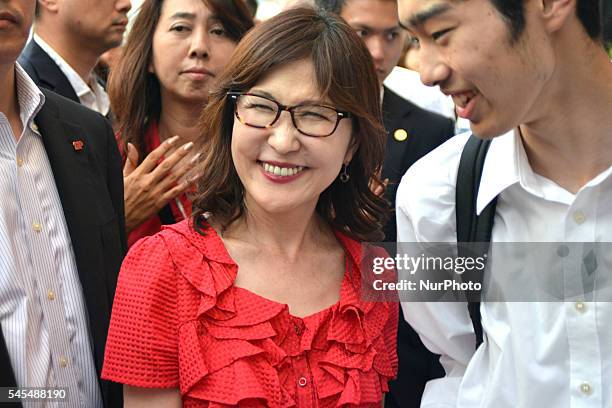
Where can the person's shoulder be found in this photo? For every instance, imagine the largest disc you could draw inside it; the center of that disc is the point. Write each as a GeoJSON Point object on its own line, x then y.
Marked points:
{"type": "Point", "coordinates": [438, 168]}
{"type": "Point", "coordinates": [425, 122]}
{"type": "Point", "coordinates": [70, 110]}
{"type": "Point", "coordinates": [427, 190]}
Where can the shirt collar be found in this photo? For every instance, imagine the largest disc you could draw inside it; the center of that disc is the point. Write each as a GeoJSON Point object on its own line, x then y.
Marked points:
{"type": "Point", "coordinates": [91, 95]}
{"type": "Point", "coordinates": [29, 97]}
{"type": "Point", "coordinates": [505, 165]}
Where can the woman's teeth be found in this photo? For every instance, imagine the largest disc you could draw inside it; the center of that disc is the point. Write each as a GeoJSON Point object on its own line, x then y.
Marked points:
{"type": "Point", "coordinates": [282, 171]}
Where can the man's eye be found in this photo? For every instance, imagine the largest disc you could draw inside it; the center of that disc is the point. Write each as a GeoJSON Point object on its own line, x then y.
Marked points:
{"type": "Point", "coordinates": [392, 36]}
{"type": "Point", "coordinates": [439, 34]}
{"type": "Point", "coordinates": [361, 33]}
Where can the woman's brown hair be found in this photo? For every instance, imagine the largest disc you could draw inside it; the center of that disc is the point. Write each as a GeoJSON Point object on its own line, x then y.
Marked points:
{"type": "Point", "coordinates": [345, 74]}
{"type": "Point", "coordinates": [134, 91]}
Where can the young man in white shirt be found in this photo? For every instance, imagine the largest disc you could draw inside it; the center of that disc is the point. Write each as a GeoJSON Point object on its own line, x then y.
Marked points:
{"type": "Point", "coordinates": [69, 37]}
{"type": "Point", "coordinates": [532, 76]}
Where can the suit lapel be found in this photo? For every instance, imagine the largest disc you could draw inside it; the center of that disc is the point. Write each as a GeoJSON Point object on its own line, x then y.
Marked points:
{"type": "Point", "coordinates": [395, 112]}
{"type": "Point", "coordinates": [73, 164]}
{"type": "Point", "coordinates": [49, 74]}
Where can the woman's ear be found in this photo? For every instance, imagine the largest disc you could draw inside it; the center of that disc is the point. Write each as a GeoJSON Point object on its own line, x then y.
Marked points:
{"type": "Point", "coordinates": [350, 152]}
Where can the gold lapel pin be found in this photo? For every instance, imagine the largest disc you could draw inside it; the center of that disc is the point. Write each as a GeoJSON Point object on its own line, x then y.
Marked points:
{"type": "Point", "coordinates": [400, 135]}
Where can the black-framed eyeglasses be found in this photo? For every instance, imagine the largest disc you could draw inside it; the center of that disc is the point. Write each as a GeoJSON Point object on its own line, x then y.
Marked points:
{"type": "Point", "coordinates": [262, 112]}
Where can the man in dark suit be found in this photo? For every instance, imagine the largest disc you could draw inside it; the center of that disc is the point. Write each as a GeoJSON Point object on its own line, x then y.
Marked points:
{"type": "Point", "coordinates": [67, 44]}
{"type": "Point", "coordinates": [412, 132]}
{"type": "Point", "coordinates": [62, 229]}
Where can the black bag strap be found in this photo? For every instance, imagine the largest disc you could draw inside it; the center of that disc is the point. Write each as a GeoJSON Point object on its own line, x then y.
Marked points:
{"type": "Point", "coordinates": [472, 227]}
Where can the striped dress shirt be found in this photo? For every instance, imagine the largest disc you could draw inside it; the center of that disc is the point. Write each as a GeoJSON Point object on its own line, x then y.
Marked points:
{"type": "Point", "coordinates": [42, 310]}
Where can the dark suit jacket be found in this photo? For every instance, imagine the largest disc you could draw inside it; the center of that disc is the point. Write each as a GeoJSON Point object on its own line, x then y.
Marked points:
{"type": "Point", "coordinates": [90, 186]}
{"type": "Point", "coordinates": [426, 131]}
{"type": "Point", "coordinates": [45, 72]}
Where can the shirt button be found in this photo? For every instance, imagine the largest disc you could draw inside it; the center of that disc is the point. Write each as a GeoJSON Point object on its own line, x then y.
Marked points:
{"type": "Point", "coordinates": [563, 251]}
{"type": "Point", "coordinates": [580, 307]}
{"type": "Point", "coordinates": [579, 217]}
{"type": "Point", "coordinates": [19, 161]}
{"type": "Point", "coordinates": [302, 381]}
{"type": "Point", "coordinates": [50, 295]}
{"type": "Point", "coordinates": [586, 389]}
{"type": "Point", "coordinates": [63, 362]}
{"type": "Point", "coordinates": [36, 226]}
{"type": "Point", "coordinates": [34, 127]}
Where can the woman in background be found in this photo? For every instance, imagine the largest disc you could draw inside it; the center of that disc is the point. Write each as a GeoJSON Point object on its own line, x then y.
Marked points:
{"type": "Point", "coordinates": [174, 52]}
{"type": "Point", "coordinates": [255, 301]}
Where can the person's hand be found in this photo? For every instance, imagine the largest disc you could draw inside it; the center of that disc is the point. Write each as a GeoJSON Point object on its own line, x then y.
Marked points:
{"type": "Point", "coordinates": [149, 186]}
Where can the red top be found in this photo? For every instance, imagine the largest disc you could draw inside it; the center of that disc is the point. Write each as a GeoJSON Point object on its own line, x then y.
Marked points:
{"type": "Point", "coordinates": [179, 322]}
{"type": "Point", "coordinates": [153, 224]}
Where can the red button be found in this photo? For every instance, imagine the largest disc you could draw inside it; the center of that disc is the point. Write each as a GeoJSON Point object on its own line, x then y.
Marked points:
{"type": "Point", "coordinates": [302, 381]}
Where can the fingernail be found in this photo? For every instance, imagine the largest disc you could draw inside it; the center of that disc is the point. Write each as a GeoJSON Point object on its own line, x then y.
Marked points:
{"type": "Point", "coordinates": [193, 178]}
{"type": "Point", "coordinates": [195, 158]}
{"type": "Point", "coordinates": [172, 140]}
{"type": "Point", "coordinates": [188, 146]}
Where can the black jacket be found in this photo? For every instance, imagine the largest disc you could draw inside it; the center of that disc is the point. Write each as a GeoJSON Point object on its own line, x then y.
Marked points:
{"type": "Point", "coordinates": [90, 185]}
{"type": "Point", "coordinates": [44, 71]}
{"type": "Point", "coordinates": [425, 131]}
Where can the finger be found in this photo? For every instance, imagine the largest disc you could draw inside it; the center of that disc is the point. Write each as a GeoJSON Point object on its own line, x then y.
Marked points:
{"type": "Point", "coordinates": [153, 158]}
{"type": "Point", "coordinates": [131, 160]}
{"type": "Point", "coordinates": [176, 191]}
{"type": "Point", "coordinates": [169, 163]}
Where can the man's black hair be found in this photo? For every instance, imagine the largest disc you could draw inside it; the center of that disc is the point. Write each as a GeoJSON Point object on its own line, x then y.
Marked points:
{"type": "Point", "coordinates": [587, 11]}
{"type": "Point", "coordinates": [332, 6]}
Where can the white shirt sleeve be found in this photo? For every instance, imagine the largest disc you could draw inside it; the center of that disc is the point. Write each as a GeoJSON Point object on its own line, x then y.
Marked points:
{"type": "Point", "coordinates": [425, 198]}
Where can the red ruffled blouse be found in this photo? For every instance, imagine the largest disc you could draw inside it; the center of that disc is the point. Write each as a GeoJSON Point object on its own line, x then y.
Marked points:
{"type": "Point", "coordinates": [178, 321]}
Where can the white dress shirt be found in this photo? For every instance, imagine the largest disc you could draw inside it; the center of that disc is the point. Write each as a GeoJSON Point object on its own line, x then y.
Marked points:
{"type": "Point", "coordinates": [42, 310]}
{"type": "Point", "coordinates": [535, 354]}
{"type": "Point", "coordinates": [90, 93]}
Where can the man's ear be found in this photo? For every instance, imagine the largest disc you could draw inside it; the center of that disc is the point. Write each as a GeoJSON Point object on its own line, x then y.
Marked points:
{"type": "Point", "coordinates": [48, 5]}
{"type": "Point", "coordinates": [555, 13]}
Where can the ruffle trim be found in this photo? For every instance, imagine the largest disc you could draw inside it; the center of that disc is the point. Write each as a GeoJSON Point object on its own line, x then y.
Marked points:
{"type": "Point", "coordinates": [228, 344]}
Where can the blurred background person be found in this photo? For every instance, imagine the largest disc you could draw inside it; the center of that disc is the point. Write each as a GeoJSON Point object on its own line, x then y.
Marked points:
{"type": "Point", "coordinates": [69, 37]}
{"type": "Point", "coordinates": [173, 53]}
{"type": "Point", "coordinates": [255, 302]}
{"type": "Point", "coordinates": [106, 62]}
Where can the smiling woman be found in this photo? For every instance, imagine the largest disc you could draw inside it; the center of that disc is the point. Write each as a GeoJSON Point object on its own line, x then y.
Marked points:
{"type": "Point", "coordinates": [255, 301]}
{"type": "Point", "coordinates": [174, 52]}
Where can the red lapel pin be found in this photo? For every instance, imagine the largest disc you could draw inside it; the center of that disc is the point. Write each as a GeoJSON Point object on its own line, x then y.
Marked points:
{"type": "Point", "coordinates": [78, 145]}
